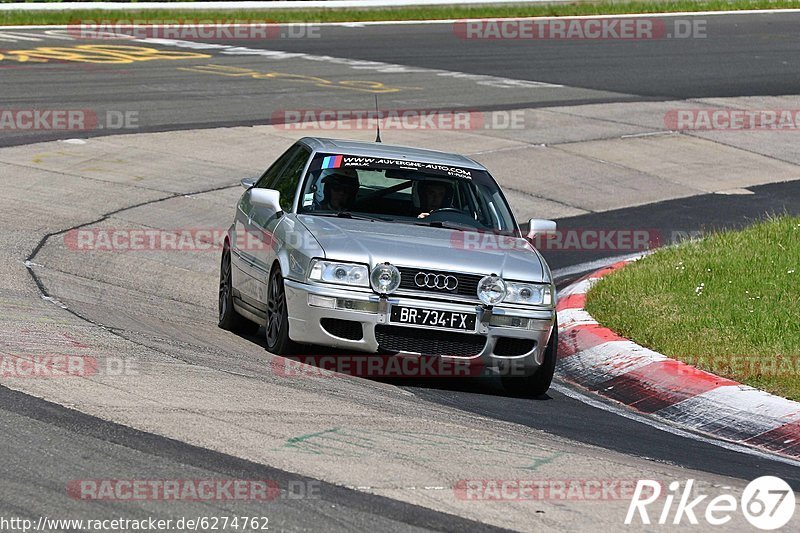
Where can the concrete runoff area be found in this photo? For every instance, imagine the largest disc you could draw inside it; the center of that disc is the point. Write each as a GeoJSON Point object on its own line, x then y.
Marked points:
{"type": "Point", "coordinates": [190, 381]}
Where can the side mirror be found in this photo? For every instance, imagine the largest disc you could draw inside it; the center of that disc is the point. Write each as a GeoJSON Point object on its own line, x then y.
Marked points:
{"type": "Point", "coordinates": [268, 198]}
{"type": "Point", "coordinates": [538, 225]}
{"type": "Point", "coordinates": [248, 183]}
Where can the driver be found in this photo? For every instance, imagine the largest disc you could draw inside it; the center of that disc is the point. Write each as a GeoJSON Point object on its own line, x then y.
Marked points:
{"type": "Point", "coordinates": [339, 192]}
{"type": "Point", "coordinates": [433, 195]}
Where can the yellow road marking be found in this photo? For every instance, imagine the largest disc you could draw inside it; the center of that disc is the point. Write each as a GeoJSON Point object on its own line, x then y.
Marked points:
{"type": "Point", "coordinates": [98, 53]}
{"type": "Point", "coordinates": [351, 85]}
{"type": "Point", "coordinates": [220, 70]}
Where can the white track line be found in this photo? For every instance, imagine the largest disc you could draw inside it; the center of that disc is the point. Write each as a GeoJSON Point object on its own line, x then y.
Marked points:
{"type": "Point", "coordinates": [575, 395]}
{"type": "Point", "coordinates": [283, 4]}
{"type": "Point", "coordinates": [357, 64]}
{"type": "Point", "coordinates": [25, 36]}
{"type": "Point", "coordinates": [592, 265]}
{"type": "Point", "coordinates": [52, 35]}
{"type": "Point", "coordinates": [5, 36]}
{"type": "Point", "coordinates": [358, 24]}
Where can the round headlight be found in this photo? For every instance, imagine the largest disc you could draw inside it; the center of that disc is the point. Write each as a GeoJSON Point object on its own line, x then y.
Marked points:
{"type": "Point", "coordinates": [492, 290]}
{"type": "Point", "coordinates": [356, 276]}
{"type": "Point", "coordinates": [385, 278]}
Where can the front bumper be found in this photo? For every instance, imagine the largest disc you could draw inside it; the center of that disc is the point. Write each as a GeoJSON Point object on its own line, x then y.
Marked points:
{"type": "Point", "coordinates": [526, 328]}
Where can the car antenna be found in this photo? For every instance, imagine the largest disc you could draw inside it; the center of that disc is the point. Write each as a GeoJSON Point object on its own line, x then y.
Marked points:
{"type": "Point", "coordinates": [378, 123]}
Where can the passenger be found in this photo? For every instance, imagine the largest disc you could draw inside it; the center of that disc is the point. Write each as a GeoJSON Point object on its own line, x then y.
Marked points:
{"type": "Point", "coordinates": [433, 195]}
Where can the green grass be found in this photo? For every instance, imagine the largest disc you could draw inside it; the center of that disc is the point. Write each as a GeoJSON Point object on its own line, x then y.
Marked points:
{"type": "Point", "coordinates": [410, 13]}
{"type": "Point", "coordinates": [729, 304]}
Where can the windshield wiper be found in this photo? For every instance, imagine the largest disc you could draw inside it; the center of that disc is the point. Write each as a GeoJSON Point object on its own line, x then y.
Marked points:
{"type": "Point", "coordinates": [446, 224]}
{"type": "Point", "coordinates": [348, 214]}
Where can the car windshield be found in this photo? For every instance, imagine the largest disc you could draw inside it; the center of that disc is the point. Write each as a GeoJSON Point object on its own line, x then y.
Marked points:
{"type": "Point", "coordinates": [405, 192]}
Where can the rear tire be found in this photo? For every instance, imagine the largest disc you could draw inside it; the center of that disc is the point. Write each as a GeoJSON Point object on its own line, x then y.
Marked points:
{"type": "Point", "coordinates": [539, 382]}
{"type": "Point", "coordinates": [229, 319]}
{"type": "Point", "coordinates": [278, 341]}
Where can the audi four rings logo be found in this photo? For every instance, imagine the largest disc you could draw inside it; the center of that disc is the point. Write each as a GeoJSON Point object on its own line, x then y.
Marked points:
{"type": "Point", "coordinates": [436, 281]}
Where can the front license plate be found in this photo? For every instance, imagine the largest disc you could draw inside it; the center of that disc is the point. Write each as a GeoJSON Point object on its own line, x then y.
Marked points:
{"type": "Point", "coordinates": [432, 317]}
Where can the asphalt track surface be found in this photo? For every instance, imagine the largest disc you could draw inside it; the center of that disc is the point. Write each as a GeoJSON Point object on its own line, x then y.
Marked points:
{"type": "Point", "coordinates": [739, 55]}
{"type": "Point", "coordinates": [747, 56]}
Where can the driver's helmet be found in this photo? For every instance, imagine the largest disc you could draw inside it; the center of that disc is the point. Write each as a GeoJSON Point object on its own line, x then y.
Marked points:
{"type": "Point", "coordinates": [420, 188]}
{"type": "Point", "coordinates": [346, 178]}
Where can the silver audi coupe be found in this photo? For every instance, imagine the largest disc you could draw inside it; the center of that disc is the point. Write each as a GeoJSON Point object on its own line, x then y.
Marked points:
{"type": "Point", "coordinates": [386, 249]}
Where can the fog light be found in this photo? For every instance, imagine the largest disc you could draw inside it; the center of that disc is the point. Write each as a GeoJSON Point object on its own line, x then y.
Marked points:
{"type": "Point", "coordinates": [492, 290]}
{"type": "Point", "coordinates": [321, 301]}
{"type": "Point", "coordinates": [357, 305]}
{"type": "Point", "coordinates": [506, 321]}
{"type": "Point", "coordinates": [385, 278]}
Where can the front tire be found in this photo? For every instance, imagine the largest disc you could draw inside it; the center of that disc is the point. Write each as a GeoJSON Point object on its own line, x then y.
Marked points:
{"type": "Point", "coordinates": [278, 341]}
{"type": "Point", "coordinates": [229, 319]}
{"type": "Point", "coordinates": [539, 382]}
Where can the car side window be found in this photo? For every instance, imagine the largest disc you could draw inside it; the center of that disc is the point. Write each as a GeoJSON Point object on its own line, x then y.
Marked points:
{"type": "Point", "coordinates": [289, 177]}
{"type": "Point", "coordinates": [268, 179]}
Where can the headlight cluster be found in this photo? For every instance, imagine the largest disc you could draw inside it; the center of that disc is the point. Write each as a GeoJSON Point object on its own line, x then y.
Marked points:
{"type": "Point", "coordinates": [385, 278]}
{"type": "Point", "coordinates": [351, 274]}
{"type": "Point", "coordinates": [529, 293]}
{"type": "Point", "coordinates": [493, 289]}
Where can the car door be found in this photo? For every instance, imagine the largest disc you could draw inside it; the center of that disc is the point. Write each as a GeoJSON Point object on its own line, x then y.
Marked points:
{"type": "Point", "coordinates": [257, 226]}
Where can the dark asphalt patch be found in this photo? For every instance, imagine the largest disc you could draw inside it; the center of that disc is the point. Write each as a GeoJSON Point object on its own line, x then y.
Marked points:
{"type": "Point", "coordinates": [355, 509]}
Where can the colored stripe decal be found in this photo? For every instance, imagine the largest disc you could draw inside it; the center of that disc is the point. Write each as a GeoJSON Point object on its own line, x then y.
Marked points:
{"type": "Point", "coordinates": [332, 161]}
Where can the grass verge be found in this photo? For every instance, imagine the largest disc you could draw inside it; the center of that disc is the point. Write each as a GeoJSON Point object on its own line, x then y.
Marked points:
{"type": "Point", "coordinates": [603, 7]}
{"type": "Point", "coordinates": [729, 304]}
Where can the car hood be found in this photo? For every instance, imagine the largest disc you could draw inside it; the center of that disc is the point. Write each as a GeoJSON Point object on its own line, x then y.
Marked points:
{"type": "Point", "coordinates": [374, 242]}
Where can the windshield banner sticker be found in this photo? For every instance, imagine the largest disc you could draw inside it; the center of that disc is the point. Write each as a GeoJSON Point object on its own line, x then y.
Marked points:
{"type": "Point", "coordinates": [338, 161]}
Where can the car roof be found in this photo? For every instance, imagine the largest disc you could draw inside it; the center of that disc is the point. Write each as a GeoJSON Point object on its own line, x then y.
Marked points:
{"type": "Point", "coordinates": [389, 151]}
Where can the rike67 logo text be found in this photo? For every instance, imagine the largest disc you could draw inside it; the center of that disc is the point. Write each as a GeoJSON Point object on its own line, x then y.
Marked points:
{"type": "Point", "coordinates": [767, 503]}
